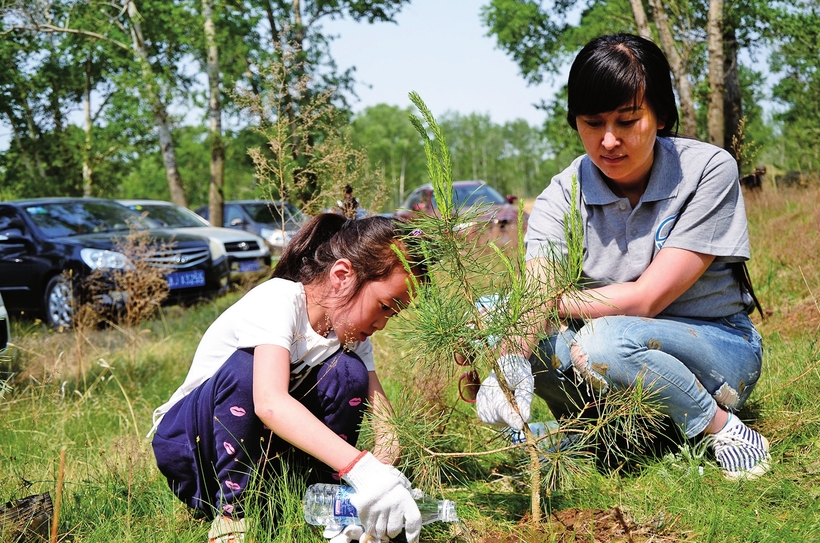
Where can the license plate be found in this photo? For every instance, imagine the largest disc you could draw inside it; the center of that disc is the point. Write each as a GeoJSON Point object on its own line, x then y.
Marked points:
{"type": "Point", "coordinates": [186, 279]}
{"type": "Point", "coordinates": [249, 265]}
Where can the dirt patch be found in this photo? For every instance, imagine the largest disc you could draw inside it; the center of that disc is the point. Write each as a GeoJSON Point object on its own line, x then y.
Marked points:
{"type": "Point", "coordinates": [592, 525]}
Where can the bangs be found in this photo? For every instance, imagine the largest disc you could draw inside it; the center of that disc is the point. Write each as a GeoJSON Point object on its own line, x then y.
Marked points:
{"type": "Point", "coordinates": [606, 84]}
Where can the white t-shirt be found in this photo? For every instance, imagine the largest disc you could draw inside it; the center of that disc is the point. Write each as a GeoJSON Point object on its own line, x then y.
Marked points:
{"type": "Point", "coordinates": [273, 313]}
{"type": "Point", "coordinates": [693, 201]}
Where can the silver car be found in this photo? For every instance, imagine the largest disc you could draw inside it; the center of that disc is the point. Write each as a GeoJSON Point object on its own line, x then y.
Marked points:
{"type": "Point", "coordinates": [248, 254]}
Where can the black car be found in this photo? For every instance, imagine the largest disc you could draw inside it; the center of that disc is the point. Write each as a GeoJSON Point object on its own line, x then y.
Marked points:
{"type": "Point", "coordinates": [46, 241]}
{"type": "Point", "coordinates": [5, 328]}
{"type": "Point", "coordinates": [275, 221]}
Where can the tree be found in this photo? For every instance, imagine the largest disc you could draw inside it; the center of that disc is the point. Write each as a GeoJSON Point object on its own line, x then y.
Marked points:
{"type": "Point", "coordinates": [296, 26]}
{"type": "Point", "coordinates": [393, 145]}
{"type": "Point", "coordinates": [155, 52]}
{"type": "Point", "coordinates": [795, 31]}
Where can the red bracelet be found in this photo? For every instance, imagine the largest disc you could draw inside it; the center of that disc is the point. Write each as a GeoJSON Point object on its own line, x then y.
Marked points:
{"type": "Point", "coordinates": [344, 471]}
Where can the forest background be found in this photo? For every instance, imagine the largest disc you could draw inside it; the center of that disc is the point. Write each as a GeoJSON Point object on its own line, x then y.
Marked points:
{"type": "Point", "coordinates": [134, 69]}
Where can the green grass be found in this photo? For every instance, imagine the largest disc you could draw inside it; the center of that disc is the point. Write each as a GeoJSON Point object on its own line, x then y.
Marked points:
{"type": "Point", "coordinates": [93, 394]}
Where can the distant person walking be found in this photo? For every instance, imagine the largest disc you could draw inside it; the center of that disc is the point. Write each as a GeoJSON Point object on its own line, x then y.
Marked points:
{"type": "Point", "coordinates": [349, 205]}
{"type": "Point", "coordinates": [286, 373]}
{"type": "Point", "coordinates": [666, 298]}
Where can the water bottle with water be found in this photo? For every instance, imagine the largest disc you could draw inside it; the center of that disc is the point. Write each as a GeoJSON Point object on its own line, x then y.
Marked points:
{"type": "Point", "coordinates": [329, 505]}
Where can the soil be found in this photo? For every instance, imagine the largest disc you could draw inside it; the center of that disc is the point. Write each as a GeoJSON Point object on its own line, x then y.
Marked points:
{"type": "Point", "coordinates": [588, 525]}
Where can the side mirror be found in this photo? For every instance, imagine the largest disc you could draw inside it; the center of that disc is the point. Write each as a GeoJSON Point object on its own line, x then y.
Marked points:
{"type": "Point", "coordinates": [237, 222]}
{"type": "Point", "coordinates": [12, 235]}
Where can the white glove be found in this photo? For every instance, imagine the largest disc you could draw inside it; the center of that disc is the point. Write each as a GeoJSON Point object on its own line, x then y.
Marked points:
{"type": "Point", "coordinates": [346, 534]}
{"type": "Point", "coordinates": [382, 500]}
{"type": "Point", "coordinates": [491, 404]}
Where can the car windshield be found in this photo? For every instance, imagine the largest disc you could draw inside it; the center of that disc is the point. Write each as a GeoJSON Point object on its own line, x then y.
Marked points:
{"type": "Point", "coordinates": [63, 219]}
{"type": "Point", "coordinates": [470, 195]}
{"type": "Point", "coordinates": [268, 213]}
{"type": "Point", "coordinates": [169, 216]}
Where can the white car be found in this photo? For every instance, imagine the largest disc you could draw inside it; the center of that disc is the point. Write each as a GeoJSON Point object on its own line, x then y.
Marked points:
{"type": "Point", "coordinates": [5, 329]}
{"type": "Point", "coordinates": [248, 254]}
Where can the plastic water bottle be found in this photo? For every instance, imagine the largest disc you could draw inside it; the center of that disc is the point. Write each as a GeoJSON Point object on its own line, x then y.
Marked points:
{"type": "Point", "coordinates": [329, 505]}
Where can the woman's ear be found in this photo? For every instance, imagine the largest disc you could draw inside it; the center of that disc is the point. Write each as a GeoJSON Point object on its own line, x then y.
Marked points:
{"type": "Point", "coordinates": [342, 275]}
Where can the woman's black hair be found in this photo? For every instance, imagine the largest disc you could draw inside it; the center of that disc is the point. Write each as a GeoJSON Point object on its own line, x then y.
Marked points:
{"type": "Point", "coordinates": [367, 243]}
{"type": "Point", "coordinates": [618, 69]}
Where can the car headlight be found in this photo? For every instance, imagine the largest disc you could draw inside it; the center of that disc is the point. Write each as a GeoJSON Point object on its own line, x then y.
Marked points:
{"type": "Point", "coordinates": [217, 249]}
{"type": "Point", "coordinates": [101, 258]}
{"type": "Point", "coordinates": [275, 236]}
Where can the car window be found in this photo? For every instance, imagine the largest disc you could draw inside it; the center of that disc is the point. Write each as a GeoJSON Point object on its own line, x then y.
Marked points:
{"type": "Point", "coordinates": [481, 195]}
{"type": "Point", "coordinates": [75, 218]}
{"type": "Point", "coordinates": [169, 216]}
{"type": "Point", "coordinates": [266, 213]}
{"type": "Point", "coordinates": [232, 213]}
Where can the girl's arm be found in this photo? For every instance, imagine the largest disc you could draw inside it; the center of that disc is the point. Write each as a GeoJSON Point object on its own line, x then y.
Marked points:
{"type": "Point", "coordinates": [387, 447]}
{"type": "Point", "coordinates": [288, 418]}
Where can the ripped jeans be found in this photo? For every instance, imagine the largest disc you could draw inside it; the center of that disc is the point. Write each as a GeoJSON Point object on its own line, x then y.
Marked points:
{"type": "Point", "coordinates": [692, 365]}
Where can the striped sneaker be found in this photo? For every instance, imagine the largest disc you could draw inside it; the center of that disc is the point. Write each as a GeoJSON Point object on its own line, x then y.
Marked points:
{"type": "Point", "coordinates": [740, 451]}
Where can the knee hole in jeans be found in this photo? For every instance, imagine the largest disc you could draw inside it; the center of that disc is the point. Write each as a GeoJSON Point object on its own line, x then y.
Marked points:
{"type": "Point", "coordinates": [593, 374]}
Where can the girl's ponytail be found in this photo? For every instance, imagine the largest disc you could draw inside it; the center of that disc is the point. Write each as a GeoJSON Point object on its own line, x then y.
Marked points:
{"type": "Point", "coordinates": [301, 250]}
{"type": "Point", "coordinates": [369, 245]}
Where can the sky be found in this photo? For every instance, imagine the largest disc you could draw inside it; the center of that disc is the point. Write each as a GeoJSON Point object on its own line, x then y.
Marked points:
{"type": "Point", "coordinates": [439, 49]}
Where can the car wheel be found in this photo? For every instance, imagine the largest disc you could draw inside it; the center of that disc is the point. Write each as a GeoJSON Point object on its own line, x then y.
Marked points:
{"type": "Point", "coordinates": [59, 303]}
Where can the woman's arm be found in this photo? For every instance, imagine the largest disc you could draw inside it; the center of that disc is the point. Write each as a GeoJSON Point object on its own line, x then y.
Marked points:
{"type": "Point", "coordinates": [386, 447]}
{"type": "Point", "coordinates": [288, 418]}
{"type": "Point", "coordinates": [669, 275]}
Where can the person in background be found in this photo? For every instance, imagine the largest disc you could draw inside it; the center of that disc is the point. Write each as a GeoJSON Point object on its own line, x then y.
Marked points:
{"type": "Point", "coordinates": [349, 205]}
{"type": "Point", "coordinates": [665, 297]}
{"type": "Point", "coordinates": [286, 372]}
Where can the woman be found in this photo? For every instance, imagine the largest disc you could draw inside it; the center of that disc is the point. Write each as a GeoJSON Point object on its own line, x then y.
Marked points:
{"type": "Point", "coordinates": [665, 297]}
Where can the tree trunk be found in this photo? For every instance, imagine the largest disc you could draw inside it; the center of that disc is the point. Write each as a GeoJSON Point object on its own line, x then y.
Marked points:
{"type": "Point", "coordinates": [640, 19]}
{"type": "Point", "coordinates": [676, 63]}
{"type": "Point", "coordinates": [714, 30]}
{"type": "Point", "coordinates": [160, 112]}
{"type": "Point", "coordinates": [216, 196]}
{"type": "Point", "coordinates": [87, 145]}
{"type": "Point", "coordinates": [732, 103]}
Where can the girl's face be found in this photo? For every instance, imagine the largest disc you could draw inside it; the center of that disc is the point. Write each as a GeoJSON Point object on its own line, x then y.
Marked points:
{"type": "Point", "coordinates": [621, 143]}
{"type": "Point", "coordinates": [370, 308]}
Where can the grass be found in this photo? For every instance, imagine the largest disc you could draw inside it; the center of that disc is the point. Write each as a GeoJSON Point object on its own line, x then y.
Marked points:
{"type": "Point", "coordinates": [93, 393]}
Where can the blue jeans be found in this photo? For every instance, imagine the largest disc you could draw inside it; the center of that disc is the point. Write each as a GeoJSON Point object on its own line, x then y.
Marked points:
{"type": "Point", "coordinates": [691, 365]}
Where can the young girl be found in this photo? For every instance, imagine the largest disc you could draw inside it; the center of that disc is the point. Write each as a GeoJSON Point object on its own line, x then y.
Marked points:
{"type": "Point", "coordinates": [286, 372]}
{"type": "Point", "coordinates": [666, 300]}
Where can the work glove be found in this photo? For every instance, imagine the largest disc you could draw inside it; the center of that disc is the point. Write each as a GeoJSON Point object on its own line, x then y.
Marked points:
{"type": "Point", "coordinates": [382, 499]}
{"type": "Point", "coordinates": [491, 404]}
{"type": "Point", "coordinates": [343, 534]}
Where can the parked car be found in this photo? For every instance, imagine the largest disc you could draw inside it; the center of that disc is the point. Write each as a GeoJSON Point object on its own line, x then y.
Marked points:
{"type": "Point", "coordinates": [486, 205]}
{"type": "Point", "coordinates": [50, 247]}
{"type": "Point", "coordinates": [5, 328]}
{"type": "Point", "coordinates": [275, 221]}
{"type": "Point", "coordinates": [248, 254]}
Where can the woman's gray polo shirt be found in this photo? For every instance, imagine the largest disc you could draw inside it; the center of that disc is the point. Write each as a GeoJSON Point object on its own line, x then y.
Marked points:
{"type": "Point", "coordinates": [693, 201]}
